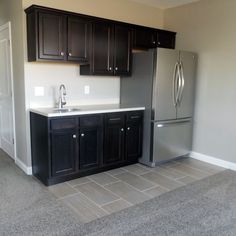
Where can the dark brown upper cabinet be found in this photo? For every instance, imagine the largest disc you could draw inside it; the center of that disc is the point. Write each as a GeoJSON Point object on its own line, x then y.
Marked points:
{"type": "Point", "coordinates": [111, 50]}
{"type": "Point", "coordinates": [54, 36]}
{"type": "Point", "coordinates": [166, 39]}
{"type": "Point", "coordinates": [144, 37]}
{"type": "Point", "coordinates": [51, 36]}
{"type": "Point", "coordinates": [101, 46]}
{"type": "Point", "coordinates": [78, 38]}
{"type": "Point", "coordinates": [102, 49]}
{"type": "Point", "coordinates": [122, 50]}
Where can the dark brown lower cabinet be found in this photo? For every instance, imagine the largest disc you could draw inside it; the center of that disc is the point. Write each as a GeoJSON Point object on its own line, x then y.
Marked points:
{"type": "Point", "coordinates": [91, 141]}
{"type": "Point", "coordinates": [63, 151]}
{"type": "Point", "coordinates": [64, 148]}
{"type": "Point", "coordinates": [114, 138]}
{"type": "Point", "coordinates": [134, 136]}
{"type": "Point", "coordinates": [123, 137]}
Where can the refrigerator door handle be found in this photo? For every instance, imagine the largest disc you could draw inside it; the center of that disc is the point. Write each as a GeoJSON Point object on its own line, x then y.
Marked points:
{"type": "Point", "coordinates": [182, 84]}
{"type": "Point", "coordinates": [171, 123]}
{"type": "Point", "coordinates": [174, 85]}
{"type": "Point", "coordinates": [179, 84]}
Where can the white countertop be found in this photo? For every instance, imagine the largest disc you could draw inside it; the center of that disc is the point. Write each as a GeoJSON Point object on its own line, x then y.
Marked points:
{"type": "Point", "coordinates": [83, 110]}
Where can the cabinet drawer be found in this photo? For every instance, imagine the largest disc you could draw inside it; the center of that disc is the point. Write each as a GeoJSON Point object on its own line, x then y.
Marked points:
{"type": "Point", "coordinates": [63, 123]}
{"type": "Point", "coordinates": [114, 118]}
{"type": "Point", "coordinates": [134, 116]}
{"type": "Point", "coordinates": [91, 121]}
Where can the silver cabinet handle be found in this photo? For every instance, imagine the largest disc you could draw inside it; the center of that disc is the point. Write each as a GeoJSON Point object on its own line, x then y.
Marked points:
{"type": "Point", "coordinates": [122, 130]}
{"type": "Point", "coordinates": [114, 119]}
{"type": "Point", "coordinates": [154, 42]}
{"type": "Point", "coordinates": [70, 54]}
{"type": "Point", "coordinates": [135, 117]}
{"type": "Point", "coordinates": [62, 53]}
{"type": "Point", "coordinates": [74, 136]}
{"type": "Point", "coordinates": [82, 135]}
{"type": "Point", "coordinates": [128, 128]}
{"type": "Point", "coordinates": [158, 43]}
{"type": "Point", "coordinates": [116, 68]}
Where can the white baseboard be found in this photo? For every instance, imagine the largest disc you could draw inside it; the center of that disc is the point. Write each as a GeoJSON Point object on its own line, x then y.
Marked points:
{"type": "Point", "coordinates": [213, 160]}
{"type": "Point", "coordinates": [26, 169]}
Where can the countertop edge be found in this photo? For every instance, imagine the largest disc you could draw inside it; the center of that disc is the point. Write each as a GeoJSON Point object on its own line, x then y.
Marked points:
{"type": "Point", "coordinates": [85, 112]}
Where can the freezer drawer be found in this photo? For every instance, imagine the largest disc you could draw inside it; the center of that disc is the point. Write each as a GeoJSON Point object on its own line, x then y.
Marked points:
{"type": "Point", "coordinates": [171, 139]}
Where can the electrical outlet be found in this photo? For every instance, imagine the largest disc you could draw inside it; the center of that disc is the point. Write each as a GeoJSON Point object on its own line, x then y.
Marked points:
{"type": "Point", "coordinates": [86, 89]}
{"type": "Point", "coordinates": [39, 91]}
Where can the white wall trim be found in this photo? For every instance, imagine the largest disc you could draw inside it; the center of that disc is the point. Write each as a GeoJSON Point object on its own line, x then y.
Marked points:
{"type": "Point", "coordinates": [213, 160]}
{"type": "Point", "coordinates": [26, 169]}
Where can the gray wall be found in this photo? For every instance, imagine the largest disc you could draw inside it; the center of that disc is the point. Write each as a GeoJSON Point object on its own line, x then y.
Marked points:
{"type": "Point", "coordinates": [3, 12]}
{"type": "Point", "coordinates": [11, 10]}
{"type": "Point", "coordinates": [208, 27]}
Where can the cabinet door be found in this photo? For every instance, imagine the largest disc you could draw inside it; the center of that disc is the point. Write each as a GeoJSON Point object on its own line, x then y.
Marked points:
{"type": "Point", "coordinates": [122, 50]}
{"type": "Point", "coordinates": [52, 36]}
{"type": "Point", "coordinates": [91, 140]}
{"type": "Point", "coordinates": [134, 136]}
{"type": "Point", "coordinates": [102, 49]}
{"type": "Point", "coordinates": [78, 38]}
{"type": "Point", "coordinates": [165, 39]}
{"type": "Point", "coordinates": [63, 151]}
{"type": "Point", "coordinates": [145, 38]}
{"type": "Point", "coordinates": [113, 138]}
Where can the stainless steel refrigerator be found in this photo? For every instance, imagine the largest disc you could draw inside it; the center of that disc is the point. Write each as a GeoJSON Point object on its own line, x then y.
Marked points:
{"type": "Point", "coordinates": [163, 81]}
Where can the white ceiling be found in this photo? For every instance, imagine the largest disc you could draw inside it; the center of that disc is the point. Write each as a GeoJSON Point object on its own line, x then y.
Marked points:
{"type": "Point", "coordinates": [163, 4]}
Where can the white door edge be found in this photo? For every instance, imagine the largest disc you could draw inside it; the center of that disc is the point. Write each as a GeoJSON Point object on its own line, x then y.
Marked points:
{"type": "Point", "coordinates": [3, 27]}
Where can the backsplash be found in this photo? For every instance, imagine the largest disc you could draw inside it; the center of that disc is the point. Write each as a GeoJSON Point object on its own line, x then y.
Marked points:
{"type": "Point", "coordinates": [102, 89]}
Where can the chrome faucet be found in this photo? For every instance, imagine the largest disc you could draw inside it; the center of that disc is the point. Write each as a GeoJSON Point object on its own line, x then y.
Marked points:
{"type": "Point", "coordinates": [62, 98]}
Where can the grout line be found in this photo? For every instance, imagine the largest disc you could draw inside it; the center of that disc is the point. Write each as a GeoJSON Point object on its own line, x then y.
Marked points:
{"type": "Point", "coordinates": [125, 171]}
{"type": "Point", "coordinates": [114, 201]}
{"type": "Point", "coordinates": [70, 195]}
{"type": "Point", "coordinates": [132, 186]}
{"type": "Point", "coordinates": [166, 175]}
{"type": "Point", "coordinates": [191, 175]}
{"type": "Point", "coordinates": [92, 181]}
{"type": "Point", "coordinates": [90, 200]}
{"type": "Point", "coordinates": [195, 168]}
{"type": "Point", "coordinates": [178, 179]}
{"type": "Point", "coordinates": [90, 176]}
{"type": "Point", "coordinates": [211, 168]}
{"type": "Point", "coordinates": [77, 184]}
{"type": "Point", "coordinates": [118, 180]}
{"type": "Point", "coordinates": [156, 187]}
{"type": "Point", "coordinates": [102, 205]}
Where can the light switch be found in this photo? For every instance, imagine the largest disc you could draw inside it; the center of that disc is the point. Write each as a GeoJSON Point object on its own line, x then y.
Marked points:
{"type": "Point", "coordinates": [86, 89]}
{"type": "Point", "coordinates": [39, 91]}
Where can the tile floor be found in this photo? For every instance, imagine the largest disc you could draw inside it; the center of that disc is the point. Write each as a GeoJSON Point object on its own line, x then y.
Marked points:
{"type": "Point", "coordinates": [104, 193]}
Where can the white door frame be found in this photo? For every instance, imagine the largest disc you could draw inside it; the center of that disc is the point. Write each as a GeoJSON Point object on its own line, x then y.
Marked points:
{"type": "Point", "coordinates": [3, 27]}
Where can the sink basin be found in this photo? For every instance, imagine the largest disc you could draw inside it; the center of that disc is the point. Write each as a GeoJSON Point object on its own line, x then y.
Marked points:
{"type": "Point", "coordinates": [65, 109]}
